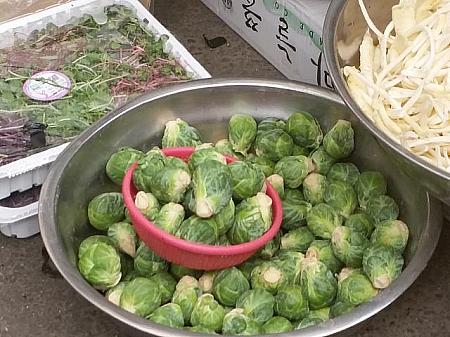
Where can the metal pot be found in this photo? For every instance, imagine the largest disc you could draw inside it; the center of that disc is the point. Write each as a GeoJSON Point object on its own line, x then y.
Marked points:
{"type": "Point", "coordinates": [79, 174]}
{"type": "Point", "coordinates": [344, 29]}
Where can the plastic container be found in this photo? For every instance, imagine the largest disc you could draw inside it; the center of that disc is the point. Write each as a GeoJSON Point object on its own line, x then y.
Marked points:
{"type": "Point", "coordinates": [32, 171]}
{"type": "Point", "coordinates": [190, 254]}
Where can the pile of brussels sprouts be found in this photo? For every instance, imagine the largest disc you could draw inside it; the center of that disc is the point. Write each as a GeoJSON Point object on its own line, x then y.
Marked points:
{"type": "Point", "coordinates": [340, 242]}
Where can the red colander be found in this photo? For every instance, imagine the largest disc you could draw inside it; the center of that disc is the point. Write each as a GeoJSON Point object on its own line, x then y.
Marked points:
{"type": "Point", "coordinates": [190, 254]}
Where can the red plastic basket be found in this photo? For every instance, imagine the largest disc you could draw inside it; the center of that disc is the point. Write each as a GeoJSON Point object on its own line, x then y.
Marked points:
{"type": "Point", "coordinates": [190, 254]}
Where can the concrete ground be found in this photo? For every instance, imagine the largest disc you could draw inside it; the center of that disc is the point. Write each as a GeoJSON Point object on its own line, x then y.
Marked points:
{"type": "Point", "coordinates": [35, 302]}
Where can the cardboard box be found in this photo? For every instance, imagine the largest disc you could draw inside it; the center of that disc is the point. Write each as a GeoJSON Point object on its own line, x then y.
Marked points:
{"type": "Point", "coordinates": [288, 33]}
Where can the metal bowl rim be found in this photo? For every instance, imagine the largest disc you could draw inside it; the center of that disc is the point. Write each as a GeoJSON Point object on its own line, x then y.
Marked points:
{"type": "Point", "coordinates": [54, 244]}
{"type": "Point", "coordinates": [329, 33]}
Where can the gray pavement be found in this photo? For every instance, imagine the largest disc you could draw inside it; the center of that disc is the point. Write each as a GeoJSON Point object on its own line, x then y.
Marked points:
{"type": "Point", "coordinates": [39, 304]}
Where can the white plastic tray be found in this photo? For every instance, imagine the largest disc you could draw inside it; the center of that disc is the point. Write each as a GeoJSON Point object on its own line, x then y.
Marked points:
{"type": "Point", "coordinates": [25, 173]}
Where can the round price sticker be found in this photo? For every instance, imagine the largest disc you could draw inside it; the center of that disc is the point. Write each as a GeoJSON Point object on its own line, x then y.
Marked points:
{"type": "Point", "coordinates": [47, 86]}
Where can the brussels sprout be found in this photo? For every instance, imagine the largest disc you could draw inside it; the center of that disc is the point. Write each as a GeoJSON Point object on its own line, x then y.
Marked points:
{"type": "Point", "coordinates": [186, 295]}
{"type": "Point", "coordinates": [223, 241]}
{"type": "Point", "coordinates": [297, 239]}
{"type": "Point", "coordinates": [202, 155]}
{"type": "Point", "coordinates": [382, 208]}
{"type": "Point", "coordinates": [274, 145]}
{"type": "Point", "coordinates": [166, 284]}
{"type": "Point", "coordinates": [212, 188]}
{"type": "Point", "coordinates": [392, 233]}
{"type": "Point", "coordinates": [269, 276]}
{"type": "Point", "coordinates": [349, 246]}
{"type": "Point", "coordinates": [201, 329]}
{"type": "Point", "coordinates": [229, 285]}
{"type": "Point", "coordinates": [237, 323]}
{"type": "Point", "coordinates": [266, 165]}
{"type": "Point", "coordinates": [147, 204]}
{"type": "Point", "coordinates": [252, 219]}
{"type": "Point", "coordinates": [300, 151]}
{"type": "Point", "coordinates": [322, 161]}
{"type": "Point", "coordinates": [170, 217]}
{"type": "Point", "coordinates": [304, 129]}
{"type": "Point", "coordinates": [106, 209]}
{"type": "Point", "coordinates": [199, 230]}
{"type": "Point", "coordinates": [178, 133]}
{"type": "Point", "coordinates": [147, 263]}
{"type": "Point", "coordinates": [322, 219]}
{"type": "Point", "coordinates": [170, 184]}
{"type": "Point", "coordinates": [341, 308]}
{"type": "Point", "coordinates": [293, 195]}
{"type": "Point", "coordinates": [322, 250]}
{"type": "Point", "coordinates": [382, 265]}
{"type": "Point", "coordinates": [119, 163]}
{"type": "Point", "coordinates": [206, 282]}
{"type": "Point", "coordinates": [124, 237]}
{"type": "Point", "coordinates": [294, 212]}
{"type": "Point", "coordinates": [181, 271]}
{"type": "Point", "coordinates": [242, 132]}
{"type": "Point", "coordinates": [294, 170]}
{"type": "Point", "coordinates": [339, 142]}
{"type": "Point", "coordinates": [271, 248]}
{"type": "Point", "coordinates": [100, 265]}
{"type": "Point", "coordinates": [257, 304]}
{"type": "Point", "coordinates": [291, 302]}
{"type": "Point", "coordinates": [360, 222]}
{"type": "Point", "coordinates": [247, 179]}
{"type": "Point", "coordinates": [144, 173]}
{"type": "Point", "coordinates": [247, 267]}
{"type": "Point", "coordinates": [314, 187]}
{"type": "Point", "coordinates": [224, 147]}
{"type": "Point", "coordinates": [341, 196]}
{"type": "Point", "coordinates": [277, 325]}
{"type": "Point", "coordinates": [319, 283]}
{"type": "Point", "coordinates": [169, 314]}
{"type": "Point", "coordinates": [208, 312]}
{"type": "Point", "coordinates": [347, 172]}
{"type": "Point", "coordinates": [290, 263]}
{"type": "Point", "coordinates": [314, 317]}
{"type": "Point", "coordinates": [140, 296]}
{"type": "Point", "coordinates": [271, 123]}
{"type": "Point", "coordinates": [355, 289]}
{"type": "Point", "coordinates": [86, 243]}
{"type": "Point", "coordinates": [347, 271]}
{"type": "Point", "coordinates": [187, 281]}
{"type": "Point", "coordinates": [370, 184]}
{"type": "Point", "coordinates": [113, 294]}
{"type": "Point", "coordinates": [277, 183]}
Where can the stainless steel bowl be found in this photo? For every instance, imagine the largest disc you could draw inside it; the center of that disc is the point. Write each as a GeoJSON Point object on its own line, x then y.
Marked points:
{"type": "Point", "coordinates": [79, 174]}
{"type": "Point", "coordinates": [344, 29]}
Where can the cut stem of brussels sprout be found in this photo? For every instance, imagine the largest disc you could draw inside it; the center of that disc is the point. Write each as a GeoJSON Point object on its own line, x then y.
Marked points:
{"type": "Point", "coordinates": [147, 204]}
{"type": "Point", "coordinates": [124, 237]}
{"type": "Point", "coordinates": [268, 276]}
{"type": "Point", "coordinates": [206, 281]}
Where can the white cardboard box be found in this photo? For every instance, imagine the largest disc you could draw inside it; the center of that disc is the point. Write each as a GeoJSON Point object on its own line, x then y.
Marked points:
{"type": "Point", "coordinates": [288, 33]}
